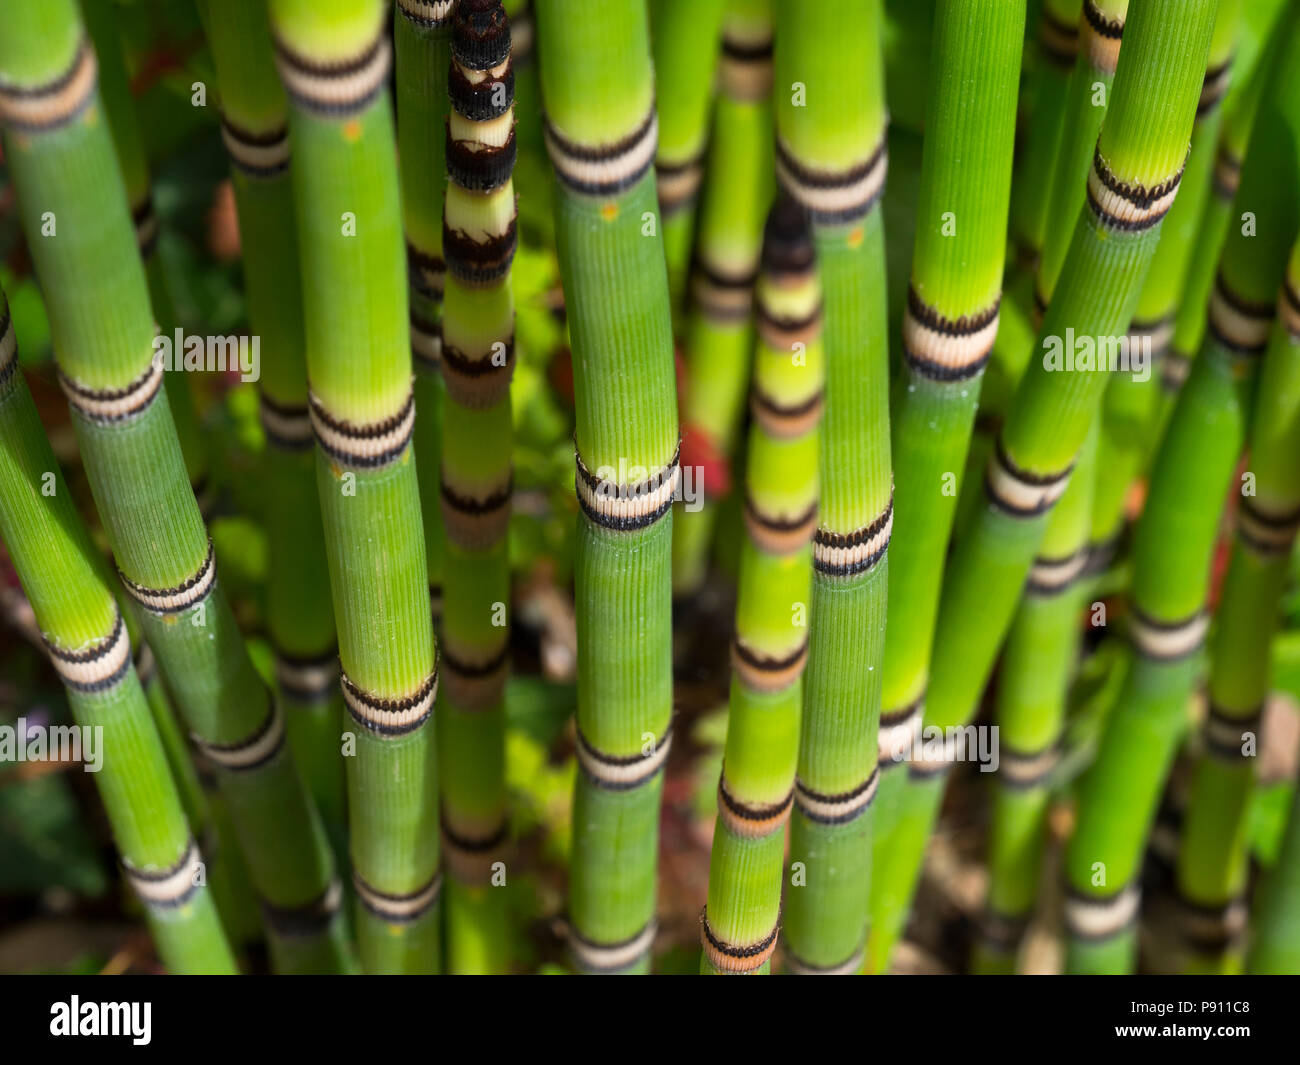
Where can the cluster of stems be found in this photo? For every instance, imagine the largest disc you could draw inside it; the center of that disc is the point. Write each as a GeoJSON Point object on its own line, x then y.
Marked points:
{"type": "Point", "coordinates": [831, 157]}
{"type": "Point", "coordinates": [88, 645]}
{"type": "Point", "coordinates": [62, 160]}
{"type": "Point", "coordinates": [1133, 178]}
{"type": "Point", "coordinates": [949, 327]}
{"type": "Point", "coordinates": [719, 333]}
{"type": "Point", "coordinates": [334, 59]}
{"type": "Point", "coordinates": [756, 789]}
{"type": "Point", "coordinates": [1173, 548]}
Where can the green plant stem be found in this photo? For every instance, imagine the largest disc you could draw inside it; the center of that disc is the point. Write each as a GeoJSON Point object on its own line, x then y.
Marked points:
{"type": "Point", "coordinates": [119, 108]}
{"type": "Point", "coordinates": [422, 39]}
{"type": "Point", "coordinates": [1275, 927]}
{"type": "Point", "coordinates": [949, 327]}
{"type": "Point", "coordinates": [684, 36]}
{"type": "Point", "coordinates": [300, 615]}
{"type": "Point", "coordinates": [1038, 664]}
{"type": "Point", "coordinates": [88, 645]}
{"type": "Point", "coordinates": [738, 930]}
{"type": "Point", "coordinates": [600, 135]}
{"type": "Point", "coordinates": [719, 332]}
{"type": "Point", "coordinates": [831, 157]}
{"type": "Point", "coordinates": [333, 57]}
{"type": "Point", "coordinates": [1212, 859]}
{"type": "Point", "coordinates": [1173, 548]}
{"type": "Point", "coordinates": [1137, 163]}
{"type": "Point", "coordinates": [478, 358]}
{"type": "Point", "coordinates": [1058, 49]}
{"type": "Point", "coordinates": [1127, 412]}
{"type": "Point", "coordinates": [62, 161]}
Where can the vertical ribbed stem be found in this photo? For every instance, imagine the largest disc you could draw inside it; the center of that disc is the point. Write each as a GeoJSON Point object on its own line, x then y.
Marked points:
{"type": "Point", "coordinates": [1058, 49]}
{"type": "Point", "coordinates": [770, 649]}
{"type": "Point", "coordinates": [1129, 404]}
{"type": "Point", "coordinates": [478, 358]}
{"type": "Point", "coordinates": [422, 39]}
{"type": "Point", "coordinates": [300, 614]}
{"type": "Point", "coordinates": [1172, 553]}
{"type": "Point", "coordinates": [89, 648]}
{"type": "Point", "coordinates": [684, 36]}
{"type": "Point", "coordinates": [950, 323]}
{"type": "Point", "coordinates": [119, 109]}
{"type": "Point", "coordinates": [62, 161]}
{"type": "Point", "coordinates": [600, 132]}
{"type": "Point", "coordinates": [1212, 859]}
{"type": "Point", "coordinates": [719, 332]}
{"type": "Point", "coordinates": [1038, 664]}
{"type": "Point", "coordinates": [333, 57]}
{"type": "Point", "coordinates": [831, 157]}
{"type": "Point", "coordinates": [1135, 170]}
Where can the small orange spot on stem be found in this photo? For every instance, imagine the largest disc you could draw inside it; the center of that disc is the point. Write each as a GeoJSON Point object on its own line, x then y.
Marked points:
{"type": "Point", "coordinates": [609, 212]}
{"type": "Point", "coordinates": [352, 130]}
{"type": "Point", "coordinates": [855, 238]}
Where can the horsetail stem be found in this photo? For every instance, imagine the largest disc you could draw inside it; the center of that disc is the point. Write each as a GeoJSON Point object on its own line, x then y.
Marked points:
{"type": "Point", "coordinates": [831, 157]}
{"type": "Point", "coordinates": [1212, 858]}
{"type": "Point", "coordinates": [300, 615]}
{"type": "Point", "coordinates": [1127, 412]}
{"type": "Point", "coordinates": [600, 133]}
{"type": "Point", "coordinates": [1234, 135]}
{"type": "Point", "coordinates": [478, 359]}
{"type": "Point", "coordinates": [1135, 171]}
{"type": "Point", "coordinates": [422, 39]}
{"type": "Point", "coordinates": [684, 37]}
{"type": "Point", "coordinates": [88, 645]}
{"type": "Point", "coordinates": [1058, 48]}
{"type": "Point", "coordinates": [333, 57]}
{"type": "Point", "coordinates": [1101, 29]}
{"type": "Point", "coordinates": [119, 109]}
{"type": "Point", "coordinates": [61, 158]}
{"type": "Point", "coordinates": [1038, 663]}
{"type": "Point", "coordinates": [1173, 547]}
{"type": "Point", "coordinates": [949, 326]}
{"type": "Point", "coordinates": [756, 788]}
{"type": "Point", "coordinates": [1275, 929]}
{"type": "Point", "coordinates": [719, 332]}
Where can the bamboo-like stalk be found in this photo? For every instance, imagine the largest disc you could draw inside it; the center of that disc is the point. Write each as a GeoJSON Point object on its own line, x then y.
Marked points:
{"type": "Point", "coordinates": [1058, 49]}
{"type": "Point", "coordinates": [62, 162]}
{"type": "Point", "coordinates": [1173, 547]}
{"type": "Point", "coordinates": [719, 334]}
{"type": "Point", "coordinates": [1038, 664]}
{"type": "Point", "coordinates": [119, 109]}
{"type": "Point", "coordinates": [1128, 409]}
{"type": "Point", "coordinates": [1136, 166]}
{"type": "Point", "coordinates": [1275, 925]}
{"type": "Point", "coordinates": [333, 57]}
{"type": "Point", "coordinates": [478, 359]}
{"type": "Point", "coordinates": [300, 615]}
{"type": "Point", "coordinates": [87, 643]}
{"type": "Point", "coordinates": [1101, 29]}
{"type": "Point", "coordinates": [1212, 856]}
{"type": "Point", "coordinates": [422, 39]}
{"type": "Point", "coordinates": [831, 157]}
{"type": "Point", "coordinates": [738, 930]}
{"type": "Point", "coordinates": [684, 37]}
{"type": "Point", "coordinates": [600, 132]}
{"type": "Point", "coordinates": [949, 327]}
{"type": "Point", "coordinates": [1234, 135]}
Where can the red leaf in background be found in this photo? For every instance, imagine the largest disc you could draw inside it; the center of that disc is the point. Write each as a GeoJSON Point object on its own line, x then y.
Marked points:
{"type": "Point", "coordinates": [701, 450]}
